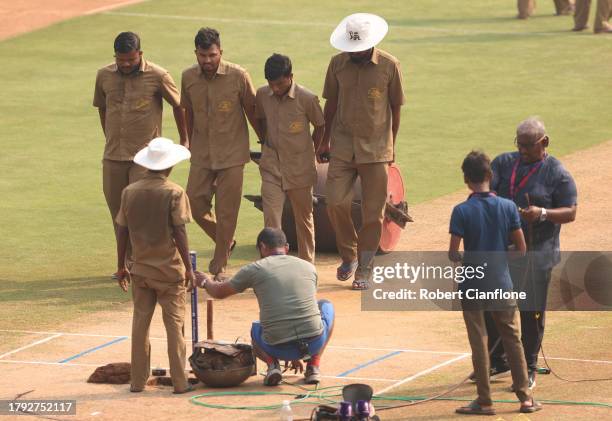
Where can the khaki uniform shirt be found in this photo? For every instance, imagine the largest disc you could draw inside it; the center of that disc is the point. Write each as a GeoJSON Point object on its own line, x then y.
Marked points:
{"type": "Point", "coordinates": [220, 137]}
{"type": "Point", "coordinates": [150, 208]}
{"type": "Point", "coordinates": [133, 107]}
{"type": "Point", "coordinates": [365, 93]}
{"type": "Point", "coordinates": [288, 155]}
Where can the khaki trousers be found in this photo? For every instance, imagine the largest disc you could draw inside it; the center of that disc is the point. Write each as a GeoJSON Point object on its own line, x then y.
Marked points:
{"type": "Point", "coordinates": [273, 200]}
{"type": "Point", "coordinates": [226, 187]}
{"type": "Point", "coordinates": [171, 297]}
{"type": "Point", "coordinates": [508, 325]}
{"type": "Point", "coordinates": [602, 14]}
{"type": "Point", "coordinates": [340, 179]}
{"type": "Point", "coordinates": [526, 7]}
{"type": "Point", "coordinates": [117, 175]}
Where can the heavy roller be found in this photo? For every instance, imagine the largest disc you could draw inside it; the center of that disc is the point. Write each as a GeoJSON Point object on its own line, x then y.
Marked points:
{"type": "Point", "coordinates": [396, 211]}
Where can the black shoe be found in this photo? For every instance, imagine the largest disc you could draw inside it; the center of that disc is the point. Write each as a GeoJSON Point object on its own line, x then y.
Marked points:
{"type": "Point", "coordinates": [531, 375]}
{"type": "Point", "coordinates": [494, 372]}
{"type": "Point", "coordinates": [532, 380]}
{"type": "Point", "coordinates": [498, 371]}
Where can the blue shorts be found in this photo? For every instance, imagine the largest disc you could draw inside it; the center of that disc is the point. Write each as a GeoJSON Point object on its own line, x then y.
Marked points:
{"type": "Point", "coordinates": [289, 351]}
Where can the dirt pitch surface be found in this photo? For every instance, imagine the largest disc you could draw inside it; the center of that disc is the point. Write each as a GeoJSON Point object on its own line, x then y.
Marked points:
{"type": "Point", "coordinates": [18, 17]}
{"type": "Point", "coordinates": [407, 353]}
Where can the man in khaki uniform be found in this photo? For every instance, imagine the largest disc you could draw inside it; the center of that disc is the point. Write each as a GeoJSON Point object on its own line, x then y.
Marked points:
{"type": "Point", "coordinates": [285, 111]}
{"type": "Point", "coordinates": [526, 8]}
{"type": "Point", "coordinates": [364, 93]}
{"type": "Point", "coordinates": [216, 95]}
{"type": "Point", "coordinates": [152, 217]}
{"type": "Point", "coordinates": [602, 16]}
{"type": "Point", "coordinates": [128, 94]}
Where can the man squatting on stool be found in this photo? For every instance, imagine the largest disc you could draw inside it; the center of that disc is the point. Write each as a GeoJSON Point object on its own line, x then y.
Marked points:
{"type": "Point", "coordinates": [293, 325]}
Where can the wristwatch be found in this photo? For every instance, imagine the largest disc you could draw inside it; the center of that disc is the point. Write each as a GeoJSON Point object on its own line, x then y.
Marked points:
{"type": "Point", "coordinates": [543, 215]}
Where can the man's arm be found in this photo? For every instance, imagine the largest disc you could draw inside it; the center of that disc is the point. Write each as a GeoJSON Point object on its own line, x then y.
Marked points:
{"type": "Point", "coordinates": [122, 233]}
{"type": "Point", "coordinates": [520, 247]}
{"type": "Point", "coordinates": [329, 113]}
{"type": "Point", "coordinates": [181, 124]}
{"type": "Point", "coordinates": [395, 124]}
{"type": "Point", "coordinates": [454, 255]}
{"type": "Point", "coordinates": [102, 112]}
{"type": "Point", "coordinates": [179, 233]}
{"type": "Point", "coordinates": [317, 136]}
{"type": "Point", "coordinates": [262, 130]}
{"type": "Point", "coordinates": [562, 215]}
{"type": "Point", "coordinates": [219, 290]}
{"type": "Point", "coordinates": [255, 123]}
{"type": "Point", "coordinates": [189, 125]}
{"type": "Point", "coordinates": [249, 104]}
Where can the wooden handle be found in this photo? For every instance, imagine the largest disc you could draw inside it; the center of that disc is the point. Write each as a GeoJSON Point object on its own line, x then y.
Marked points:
{"type": "Point", "coordinates": [209, 319]}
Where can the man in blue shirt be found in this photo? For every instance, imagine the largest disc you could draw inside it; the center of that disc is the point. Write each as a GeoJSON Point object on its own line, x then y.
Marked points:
{"type": "Point", "coordinates": [546, 195]}
{"type": "Point", "coordinates": [486, 224]}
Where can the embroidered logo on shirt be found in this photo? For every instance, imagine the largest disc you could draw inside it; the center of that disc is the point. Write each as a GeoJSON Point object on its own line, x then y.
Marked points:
{"type": "Point", "coordinates": [224, 106]}
{"type": "Point", "coordinates": [374, 93]}
{"type": "Point", "coordinates": [296, 127]}
{"type": "Point", "coordinates": [142, 103]}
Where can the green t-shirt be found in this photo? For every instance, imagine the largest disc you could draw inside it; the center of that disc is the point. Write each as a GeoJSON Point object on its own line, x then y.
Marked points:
{"type": "Point", "coordinates": [286, 288]}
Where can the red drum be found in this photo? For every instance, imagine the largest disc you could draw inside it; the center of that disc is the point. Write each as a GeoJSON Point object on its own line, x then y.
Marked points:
{"type": "Point", "coordinates": [325, 239]}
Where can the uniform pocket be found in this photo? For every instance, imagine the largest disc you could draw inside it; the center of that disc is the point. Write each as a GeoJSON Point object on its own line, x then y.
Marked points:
{"type": "Point", "coordinates": [225, 110]}
{"type": "Point", "coordinates": [141, 104]}
{"type": "Point", "coordinates": [377, 100]}
{"type": "Point", "coordinates": [295, 130]}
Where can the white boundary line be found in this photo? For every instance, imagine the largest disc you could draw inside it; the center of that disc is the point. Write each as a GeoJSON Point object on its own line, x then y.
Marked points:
{"type": "Point", "coordinates": [47, 339]}
{"type": "Point", "coordinates": [421, 373]}
{"type": "Point", "coordinates": [330, 346]}
{"type": "Point", "coordinates": [375, 379]}
{"type": "Point", "coordinates": [99, 365]}
{"type": "Point", "coordinates": [424, 351]}
{"type": "Point", "coordinates": [112, 6]}
{"type": "Point", "coordinates": [50, 363]}
{"type": "Point", "coordinates": [579, 360]}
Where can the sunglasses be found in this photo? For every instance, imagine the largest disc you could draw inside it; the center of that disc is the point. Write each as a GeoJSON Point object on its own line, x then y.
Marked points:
{"type": "Point", "coordinates": [528, 145]}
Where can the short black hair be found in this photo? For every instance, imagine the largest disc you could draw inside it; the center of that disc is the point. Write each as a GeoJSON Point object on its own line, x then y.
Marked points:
{"type": "Point", "coordinates": [476, 167]}
{"type": "Point", "coordinates": [206, 37]}
{"type": "Point", "coordinates": [126, 42]}
{"type": "Point", "coordinates": [272, 238]}
{"type": "Point", "coordinates": [277, 65]}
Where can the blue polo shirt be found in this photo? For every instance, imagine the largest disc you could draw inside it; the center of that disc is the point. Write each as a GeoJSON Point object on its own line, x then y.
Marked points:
{"type": "Point", "coordinates": [485, 222]}
{"type": "Point", "coordinates": [550, 187]}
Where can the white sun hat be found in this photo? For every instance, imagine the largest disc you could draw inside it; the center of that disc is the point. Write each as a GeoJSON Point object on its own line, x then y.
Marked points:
{"type": "Point", "coordinates": [359, 32]}
{"type": "Point", "coordinates": [160, 154]}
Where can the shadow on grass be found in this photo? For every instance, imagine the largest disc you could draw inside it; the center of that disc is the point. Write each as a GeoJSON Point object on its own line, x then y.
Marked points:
{"type": "Point", "coordinates": [416, 23]}
{"type": "Point", "coordinates": [496, 20]}
{"type": "Point", "coordinates": [460, 37]}
{"type": "Point", "coordinates": [68, 291]}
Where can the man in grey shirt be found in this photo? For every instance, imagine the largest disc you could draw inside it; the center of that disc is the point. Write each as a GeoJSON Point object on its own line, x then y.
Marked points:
{"type": "Point", "coordinates": [293, 325]}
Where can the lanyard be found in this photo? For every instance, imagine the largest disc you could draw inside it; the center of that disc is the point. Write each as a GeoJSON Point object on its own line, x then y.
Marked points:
{"type": "Point", "coordinates": [513, 187]}
{"type": "Point", "coordinates": [483, 194]}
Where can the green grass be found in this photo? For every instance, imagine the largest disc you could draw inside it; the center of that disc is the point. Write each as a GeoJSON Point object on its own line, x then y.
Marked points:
{"type": "Point", "coordinates": [471, 75]}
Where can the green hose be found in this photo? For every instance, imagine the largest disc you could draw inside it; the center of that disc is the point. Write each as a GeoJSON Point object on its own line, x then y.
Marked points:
{"type": "Point", "coordinates": [324, 395]}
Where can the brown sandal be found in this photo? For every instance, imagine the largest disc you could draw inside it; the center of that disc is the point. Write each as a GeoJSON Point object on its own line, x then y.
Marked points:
{"type": "Point", "coordinates": [474, 408]}
{"type": "Point", "coordinates": [534, 407]}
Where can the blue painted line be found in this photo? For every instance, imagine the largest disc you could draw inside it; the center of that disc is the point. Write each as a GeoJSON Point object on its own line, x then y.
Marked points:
{"type": "Point", "coordinates": [374, 361]}
{"type": "Point", "coordinates": [89, 351]}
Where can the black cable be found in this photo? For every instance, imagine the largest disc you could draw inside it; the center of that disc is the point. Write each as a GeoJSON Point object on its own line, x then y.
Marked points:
{"type": "Point", "coordinates": [530, 270]}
